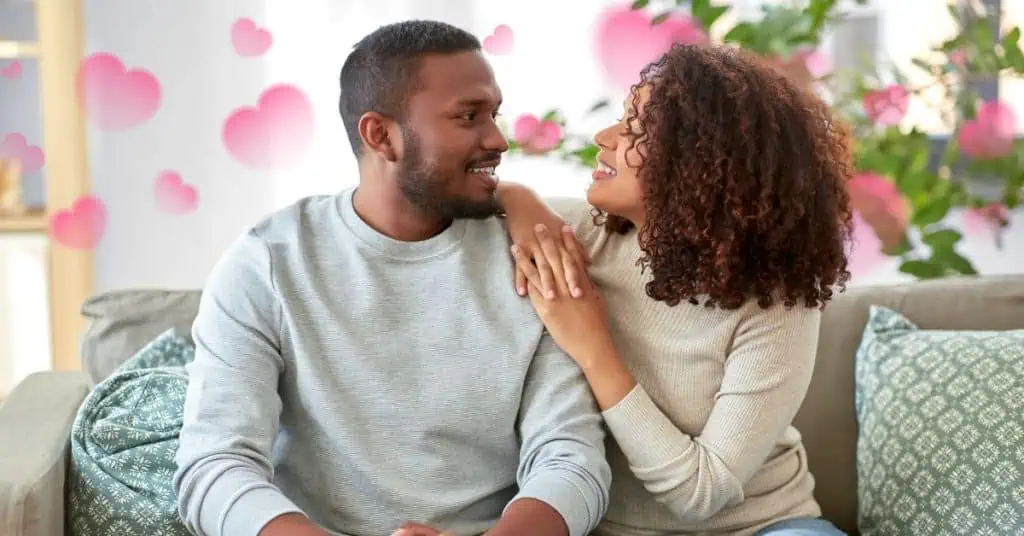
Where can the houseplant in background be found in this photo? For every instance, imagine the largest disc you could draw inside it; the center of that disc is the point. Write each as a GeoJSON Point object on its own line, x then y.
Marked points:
{"type": "Point", "coordinates": [903, 191]}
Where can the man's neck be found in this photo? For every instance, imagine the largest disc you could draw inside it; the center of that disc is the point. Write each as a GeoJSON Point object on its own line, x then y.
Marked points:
{"type": "Point", "coordinates": [387, 211]}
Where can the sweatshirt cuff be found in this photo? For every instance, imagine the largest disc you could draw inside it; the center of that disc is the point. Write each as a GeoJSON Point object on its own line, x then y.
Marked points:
{"type": "Point", "coordinates": [644, 433]}
{"type": "Point", "coordinates": [559, 492]}
{"type": "Point", "coordinates": [249, 504]}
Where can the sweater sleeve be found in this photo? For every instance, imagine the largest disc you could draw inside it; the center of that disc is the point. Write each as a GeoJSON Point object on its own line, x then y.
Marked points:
{"type": "Point", "coordinates": [766, 376]}
{"type": "Point", "coordinates": [223, 480]}
{"type": "Point", "coordinates": [562, 455]}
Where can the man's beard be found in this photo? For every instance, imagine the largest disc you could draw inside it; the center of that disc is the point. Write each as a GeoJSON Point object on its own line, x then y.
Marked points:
{"type": "Point", "coordinates": [424, 187]}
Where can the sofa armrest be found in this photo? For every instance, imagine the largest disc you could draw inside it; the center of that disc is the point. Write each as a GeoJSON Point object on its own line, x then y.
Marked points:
{"type": "Point", "coordinates": [35, 431]}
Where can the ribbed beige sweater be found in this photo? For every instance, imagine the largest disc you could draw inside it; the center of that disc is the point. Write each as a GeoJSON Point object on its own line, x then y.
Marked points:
{"type": "Point", "coordinates": [704, 444]}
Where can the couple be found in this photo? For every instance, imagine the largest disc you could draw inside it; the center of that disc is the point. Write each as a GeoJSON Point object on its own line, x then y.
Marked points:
{"type": "Point", "coordinates": [373, 362]}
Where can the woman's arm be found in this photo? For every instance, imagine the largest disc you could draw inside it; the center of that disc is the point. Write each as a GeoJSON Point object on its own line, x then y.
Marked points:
{"type": "Point", "coordinates": [766, 378]}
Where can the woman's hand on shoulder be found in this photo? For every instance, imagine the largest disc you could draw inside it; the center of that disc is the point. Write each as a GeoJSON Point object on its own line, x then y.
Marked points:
{"type": "Point", "coordinates": [525, 214]}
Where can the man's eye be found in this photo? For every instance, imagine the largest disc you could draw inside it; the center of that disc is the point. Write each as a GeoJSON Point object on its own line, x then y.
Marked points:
{"type": "Point", "coordinates": [468, 116]}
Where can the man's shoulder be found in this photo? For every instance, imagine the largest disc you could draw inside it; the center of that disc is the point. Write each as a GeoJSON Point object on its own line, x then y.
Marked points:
{"type": "Point", "coordinates": [298, 218]}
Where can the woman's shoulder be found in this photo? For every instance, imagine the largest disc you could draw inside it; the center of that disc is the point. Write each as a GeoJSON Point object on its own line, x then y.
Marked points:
{"type": "Point", "coordinates": [579, 214]}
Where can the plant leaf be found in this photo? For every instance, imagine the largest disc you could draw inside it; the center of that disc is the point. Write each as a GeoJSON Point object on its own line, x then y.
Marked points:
{"type": "Point", "coordinates": [639, 4]}
{"type": "Point", "coordinates": [922, 269]}
{"type": "Point", "coordinates": [942, 239]}
{"type": "Point", "coordinates": [933, 212]}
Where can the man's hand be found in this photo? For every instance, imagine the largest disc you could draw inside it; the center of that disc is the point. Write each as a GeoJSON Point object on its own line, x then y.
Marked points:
{"type": "Point", "coordinates": [529, 516]}
{"type": "Point", "coordinates": [416, 529]}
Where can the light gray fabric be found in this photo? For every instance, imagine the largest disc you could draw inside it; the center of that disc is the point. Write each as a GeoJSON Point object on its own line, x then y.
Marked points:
{"type": "Point", "coordinates": [368, 382]}
{"type": "Point", "coordinates": [35, 423]}
{"type": "Point", "coordinates": [120, 323]}
{"type": "Point", "coordinates": [827, 418]}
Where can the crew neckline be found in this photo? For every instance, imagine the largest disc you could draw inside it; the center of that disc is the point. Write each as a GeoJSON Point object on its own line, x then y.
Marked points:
{"type": "Point", "coordinates": [434, 246]}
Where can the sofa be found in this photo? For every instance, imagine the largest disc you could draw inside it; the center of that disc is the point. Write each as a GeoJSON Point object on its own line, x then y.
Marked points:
{"type": "Point", "coordinates": [36, 419]}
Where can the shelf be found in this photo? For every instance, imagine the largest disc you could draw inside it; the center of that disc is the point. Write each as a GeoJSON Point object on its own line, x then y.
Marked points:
{"type": "Point", "coordinates": [30, 222]}
{"type": "Point", "coordinates": [18, 49]}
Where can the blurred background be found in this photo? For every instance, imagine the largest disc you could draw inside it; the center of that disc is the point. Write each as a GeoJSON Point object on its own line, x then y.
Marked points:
{"type": "Point", "coordinates": [124, 163]}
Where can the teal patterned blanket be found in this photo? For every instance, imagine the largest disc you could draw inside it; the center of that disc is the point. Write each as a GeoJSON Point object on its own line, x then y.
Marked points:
{"type": "Point", "coordinates": [123, 443]}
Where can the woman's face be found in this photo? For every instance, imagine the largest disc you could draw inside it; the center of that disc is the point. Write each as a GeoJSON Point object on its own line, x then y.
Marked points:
{"type": "Point", "coordinates": [616, 188]}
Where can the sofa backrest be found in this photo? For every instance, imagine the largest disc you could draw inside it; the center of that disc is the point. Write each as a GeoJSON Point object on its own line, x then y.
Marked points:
{"type": "Point", "coordinates": [828, 419]}
{"type": "Point", "coordinates": [120, 323]}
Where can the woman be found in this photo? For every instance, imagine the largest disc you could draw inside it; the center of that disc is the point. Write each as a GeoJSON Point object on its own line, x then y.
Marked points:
{"type": "Point", "coordinates": [718, 236]}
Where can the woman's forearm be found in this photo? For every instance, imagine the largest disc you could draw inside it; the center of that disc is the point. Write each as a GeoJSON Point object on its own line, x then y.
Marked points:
{"type": "Point", "coordinates": [609, 379]}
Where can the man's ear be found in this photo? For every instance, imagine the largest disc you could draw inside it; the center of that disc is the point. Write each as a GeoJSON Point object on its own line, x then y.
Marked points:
{"type": "Point", "coordinates": [377, 133]}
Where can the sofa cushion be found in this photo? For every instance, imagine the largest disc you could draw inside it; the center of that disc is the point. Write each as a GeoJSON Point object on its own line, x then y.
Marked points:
{"type": "Point", "coordinates": [123, 444]}
{"type": "Point", "coordinates": [827, 418]}
{"type": "Point", "coordinates": [941, 416]}
{"type": "Point", "coordinates": [120, 323]}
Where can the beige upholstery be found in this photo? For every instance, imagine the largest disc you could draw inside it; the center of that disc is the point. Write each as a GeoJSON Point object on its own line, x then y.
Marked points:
{"type": "Point", "coordinates": [827, 418]}
{"type": "Point", "coordinates": [35, 421]}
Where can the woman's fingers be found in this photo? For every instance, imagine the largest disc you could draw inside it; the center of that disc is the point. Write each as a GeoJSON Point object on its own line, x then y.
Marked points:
{"type": "Point", "coordinates": [520, 281]}
{"type": "Point", "coordinates": [551, 253]}
{"type": "Point", "coordinates": [575, 263]}
{"type": "Point", "coordinates": [525, 266]}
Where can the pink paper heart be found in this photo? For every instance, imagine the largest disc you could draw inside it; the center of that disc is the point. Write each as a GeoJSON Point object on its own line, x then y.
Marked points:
{"type": "Point", "coordinates": [29, 157]}
{"type": "Point", "coordinates": [887, 106]}
{"type": "Point", "coordinates": [81, 226]}
{"type": "Point", "coordinates": [626, 41]}
{"type": "Point", "coordinates": [173, 196]}
{"type": "Point", "coordinates": [11, 71]}
{"type": "Point", "coordinates": [249, 39]}
{"type": "Point", "coordinates": [536, 135]}
{"type": "Point", "coordinates": [275, 134]}
{"type": "Point", "coordinates": [116, 98]}
{"type": "Point", "coordinates": [500, 41]}
{"type": "Point", "coordinates": [991, 133]}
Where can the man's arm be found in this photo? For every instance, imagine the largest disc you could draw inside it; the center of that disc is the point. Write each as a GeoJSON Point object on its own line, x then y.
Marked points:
{"type": "Point", "coordinates": [223, 481]}
{"type": "Point", "coordinates": [563, 474]}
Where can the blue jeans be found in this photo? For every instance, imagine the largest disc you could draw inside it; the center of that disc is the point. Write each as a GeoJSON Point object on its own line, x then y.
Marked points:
{"type": "Point", "coordinates": [805, 526]}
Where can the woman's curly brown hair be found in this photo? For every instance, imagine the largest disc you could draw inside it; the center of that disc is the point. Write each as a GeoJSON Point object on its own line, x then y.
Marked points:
{"type": "Point", "coordinates": [744, 183]}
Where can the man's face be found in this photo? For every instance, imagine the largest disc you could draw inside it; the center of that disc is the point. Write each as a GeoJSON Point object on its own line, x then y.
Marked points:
{"type": "Point", "coordinates": [450, 141]}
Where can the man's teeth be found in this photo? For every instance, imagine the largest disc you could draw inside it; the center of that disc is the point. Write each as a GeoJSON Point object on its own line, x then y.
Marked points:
{"type": "Point", "coordinates": [605, 168]}
{"type": "Point", "coordinates": [483, 170]}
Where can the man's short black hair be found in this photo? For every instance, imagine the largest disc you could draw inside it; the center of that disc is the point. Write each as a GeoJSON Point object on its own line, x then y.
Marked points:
{"type": "Point", "coordinates": [380, 73]}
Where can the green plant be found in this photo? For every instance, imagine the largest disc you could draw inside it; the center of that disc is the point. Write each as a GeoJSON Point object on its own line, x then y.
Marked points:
{"type": "Point", "coordinates": [899, 190]}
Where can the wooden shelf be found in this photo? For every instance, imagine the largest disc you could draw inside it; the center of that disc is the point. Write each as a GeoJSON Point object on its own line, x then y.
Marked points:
{"type": "Point", "coordinates": [11, 50]}
{"type": "Point", "coordinates": [30, 222]}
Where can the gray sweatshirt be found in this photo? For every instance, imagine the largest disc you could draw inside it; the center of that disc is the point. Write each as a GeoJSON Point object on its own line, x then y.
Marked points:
{"type": "Point", "coordinates": [366, 382]}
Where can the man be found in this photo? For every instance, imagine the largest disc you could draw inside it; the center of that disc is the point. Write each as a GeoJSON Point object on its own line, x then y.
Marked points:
{"type": "Point", "coordinates": [362, 360]}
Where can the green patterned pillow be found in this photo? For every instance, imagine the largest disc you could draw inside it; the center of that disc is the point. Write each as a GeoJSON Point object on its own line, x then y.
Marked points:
{"type": "Point", "coordinates": [123, 443]}
{"type": "Point", "coordinates": [941, 446]}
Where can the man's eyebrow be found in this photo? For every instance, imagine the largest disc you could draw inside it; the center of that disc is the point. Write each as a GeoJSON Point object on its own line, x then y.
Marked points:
{"type": "Point", "coordinates": [477, 103]}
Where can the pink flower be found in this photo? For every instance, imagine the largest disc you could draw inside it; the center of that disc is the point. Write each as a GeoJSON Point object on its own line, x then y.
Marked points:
{"type": "Point", "coordinates": [987, 219]}
{"type": "Point", "coordinates": [881, 205]}
{"type": "Point", "coordinates": [991, 133]}
{"type": "Point", "coordinates": [536, 136]}
{"type": "Point", "coordinates": [864, 251]}
{"type": "Point", "coordinates": [887, 106]}
{"type": "Point", "coordinates": [958, 57]}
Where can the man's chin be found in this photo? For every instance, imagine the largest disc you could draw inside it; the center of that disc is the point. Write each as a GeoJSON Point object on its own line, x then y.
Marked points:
{"type": "Point", "coordinates": [473, 210]}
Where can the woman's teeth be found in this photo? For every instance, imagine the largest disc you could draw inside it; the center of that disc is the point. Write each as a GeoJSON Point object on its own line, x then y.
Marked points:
{"type": "Point", "coordinates": [605, 168]}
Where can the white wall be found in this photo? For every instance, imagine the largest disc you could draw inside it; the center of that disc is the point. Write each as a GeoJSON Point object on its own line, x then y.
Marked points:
{"type": "Point", "coordinates": [186, 45]}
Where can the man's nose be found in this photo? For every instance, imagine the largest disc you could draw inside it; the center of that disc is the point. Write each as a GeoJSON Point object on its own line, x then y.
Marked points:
{"type": "Point", "coordinates": [494, 139]}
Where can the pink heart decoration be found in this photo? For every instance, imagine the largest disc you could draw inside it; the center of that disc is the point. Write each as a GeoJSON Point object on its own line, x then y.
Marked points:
{"type": "Point", "coordinates": [275, 134]}
{"type": "Point", "coordinates": [887, 106]}
{"type": "Point", "coordinates": [991, 133]}
{"type": "Point", "coordinates": [500, 41]}
{"type": "Point", "coordinates": [116, 98]}
{"type": "Point", "coordinates": [81, 226]}
{"type": "Point", "coordinates": [249, 39]}
{"type": "Point", "coordinates": [29, 157]}
{"type": "Point", "coordinates": [626, 41]}
{"type": "Point", "coordinates": [173, 196]}
{"type": "Point", "coordinates": [535, 135]}
{"type": "Point", "coordinates": [864, 251]}
{"type": "Point", "coordinates": [11, 71]}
